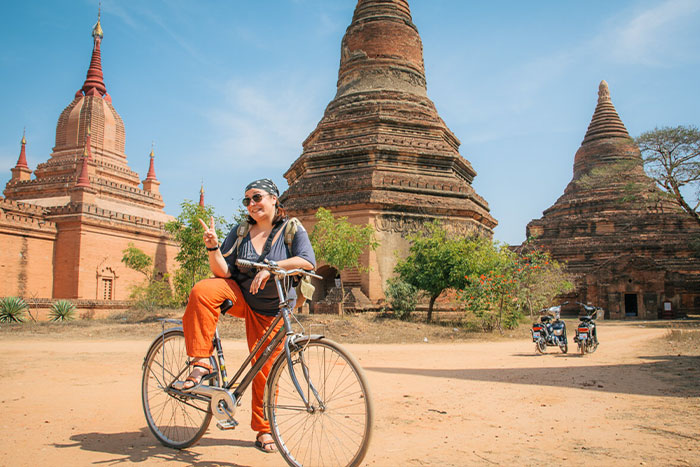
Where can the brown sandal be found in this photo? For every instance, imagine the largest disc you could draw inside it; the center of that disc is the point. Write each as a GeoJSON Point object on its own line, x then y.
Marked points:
{"type": "Point", "coordinates": [267, 447]}
{"type": "Point", "coordinates": [196, 381]}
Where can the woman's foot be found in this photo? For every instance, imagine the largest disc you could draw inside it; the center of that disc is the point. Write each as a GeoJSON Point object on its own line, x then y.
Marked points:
{"type": "Point", "coordinates": [200, 370]}
{"type": "Point", "coordinates": [265, 443]}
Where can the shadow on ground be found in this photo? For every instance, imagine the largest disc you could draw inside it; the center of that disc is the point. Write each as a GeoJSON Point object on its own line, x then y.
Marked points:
{"type": "Point", "coordinates": [141, 446]}
{"type": "Point", "coordinates": [676, 376]}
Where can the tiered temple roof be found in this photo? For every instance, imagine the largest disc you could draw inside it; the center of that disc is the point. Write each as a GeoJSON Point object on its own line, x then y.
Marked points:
{"type": "Point", "coordinates": [381, 153]}
{"type": "Point", "coordinates": [613, 227]}
{"type": "Point", "coordinates": [381, 142]}
{"type": "Point", "coordinates": [90, 125]}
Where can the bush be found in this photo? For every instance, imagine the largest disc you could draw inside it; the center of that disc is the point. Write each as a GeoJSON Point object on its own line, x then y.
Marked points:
{"type": "Point", "coordinates": [12, 310]}
{"type": "Point", "coordinates": [62, 310]}
{"type": "Point", "coordinates": [402, 297]}
{"type": "Point", "coordinates": [153, 296]}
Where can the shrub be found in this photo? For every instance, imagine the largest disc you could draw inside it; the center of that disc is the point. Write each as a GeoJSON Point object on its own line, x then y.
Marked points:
{"type": "Point", "coordinates": [62, 310]}
{"type": "Point", "coordinates": [12, 310]}
{"type": "Point", "coordinates": [402, 297]}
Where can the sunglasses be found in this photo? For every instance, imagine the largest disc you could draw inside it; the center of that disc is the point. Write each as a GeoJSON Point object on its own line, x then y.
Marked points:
{"type": "Point", "coordinates": [257, 197]}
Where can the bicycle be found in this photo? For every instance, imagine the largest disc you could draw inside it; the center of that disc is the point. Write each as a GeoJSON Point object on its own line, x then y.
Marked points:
{"type": "Point", "coordinates": [317, 398]}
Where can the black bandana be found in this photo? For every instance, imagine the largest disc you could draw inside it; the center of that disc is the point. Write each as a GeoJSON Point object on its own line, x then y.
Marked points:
{"type": "Point", "coordinates": [264, 184]}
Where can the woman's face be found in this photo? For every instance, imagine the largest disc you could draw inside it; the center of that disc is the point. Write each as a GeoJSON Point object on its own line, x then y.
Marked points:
{"type": "Point", "coordinates": [265, 208]}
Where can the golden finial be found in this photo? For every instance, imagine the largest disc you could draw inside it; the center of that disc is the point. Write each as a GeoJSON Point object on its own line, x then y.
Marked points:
{"type": "Point", "coordinates": [24, 132]}
{"type": "Point", "coordinates": [152, 144]}
{"type": "Point", "coordinates": [97, 30]}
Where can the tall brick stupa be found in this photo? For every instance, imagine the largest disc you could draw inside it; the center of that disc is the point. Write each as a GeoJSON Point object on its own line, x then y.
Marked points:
{"type": "Point", "coordinates": [381, 154]}
{"type": "Point", "coordinates": [626, 244]}
{"type": "Point", "coordinates": [84, 206]}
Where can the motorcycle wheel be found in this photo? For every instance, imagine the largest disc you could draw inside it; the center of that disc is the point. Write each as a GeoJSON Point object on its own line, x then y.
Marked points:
{"type": "Point", "coordinates": [540, 346]}
{"type": "Point", "coordinates": [594, 346]}
{"type": "Point", "coordinates": [564, 348]}
{"type": "Point", "coordinates": [582, 347]}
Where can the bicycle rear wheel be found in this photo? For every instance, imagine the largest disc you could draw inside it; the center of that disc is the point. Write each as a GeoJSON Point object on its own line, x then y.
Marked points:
{"type": "Point", "coordinates": [336, 430]}
{"type": "Point", "coordinates": [177, 420]}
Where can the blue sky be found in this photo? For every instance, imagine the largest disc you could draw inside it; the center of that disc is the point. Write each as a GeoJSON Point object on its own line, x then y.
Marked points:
{"type": "Point", "coordinates": [227, 91]}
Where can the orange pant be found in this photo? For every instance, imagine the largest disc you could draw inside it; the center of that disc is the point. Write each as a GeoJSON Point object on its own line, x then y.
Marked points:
{"type": "Point", "coordinates": [199, 323]}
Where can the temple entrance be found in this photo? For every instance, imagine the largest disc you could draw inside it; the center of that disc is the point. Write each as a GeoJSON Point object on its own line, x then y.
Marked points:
{"type": "Point", "coordinates": [631, 304]}
{"type": "Point", "coordinates": [323, 286]}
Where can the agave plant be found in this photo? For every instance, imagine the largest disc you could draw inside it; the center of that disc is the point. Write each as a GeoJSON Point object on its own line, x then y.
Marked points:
{"type": "Point", "coordinates": [62, 310]}
{"type": "Point", "coordinates": [12, 310]}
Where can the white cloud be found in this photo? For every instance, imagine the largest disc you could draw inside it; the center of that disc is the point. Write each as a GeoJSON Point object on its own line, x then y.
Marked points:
{"type": "Point", "coordinates": [664, 33]}
{"type": "Point", "coordinates": [262, 124]}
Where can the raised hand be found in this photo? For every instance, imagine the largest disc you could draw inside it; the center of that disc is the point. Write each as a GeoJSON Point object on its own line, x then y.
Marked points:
{"type": "Point", "coordinates": [210, 238]}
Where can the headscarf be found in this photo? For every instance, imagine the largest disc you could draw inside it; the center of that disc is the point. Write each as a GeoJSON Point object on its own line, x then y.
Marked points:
{"type": "Point", "coordinates": [264, 184]}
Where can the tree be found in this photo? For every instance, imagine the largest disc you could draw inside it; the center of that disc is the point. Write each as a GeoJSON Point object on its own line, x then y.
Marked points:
{"type": "Point", "coordinates": [672, 158]}
{"type": "Point", "coordinates": [513, 282]}
{"type": "Point", "coordinates": [137, 260]}
{"type": "Point", "coordinates": [155, 292]}
{"type": "Point", "coordinates": [339, 243]}
{"type": "Point", "coordinates": [437, 261]}
{"type": "Point", "coordinates": [192, 256]}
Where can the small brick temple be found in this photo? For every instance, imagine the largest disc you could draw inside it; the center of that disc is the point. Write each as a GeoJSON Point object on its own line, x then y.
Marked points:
{"type": "Point", "coordinates": [63, 231]}
{"type": "Point", "coordinates": [629, 249]}
{"type": "Point", "coordinates": [381, 154]}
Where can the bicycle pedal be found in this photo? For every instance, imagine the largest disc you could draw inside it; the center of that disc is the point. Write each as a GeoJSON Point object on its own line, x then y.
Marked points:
{"type": "Point", "coordinates": [229, 424]}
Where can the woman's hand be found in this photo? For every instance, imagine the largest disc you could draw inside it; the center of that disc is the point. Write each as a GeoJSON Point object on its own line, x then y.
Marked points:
{"type": "Point", "coordinates": [210, 238]}
{"type": "Point", "coordinates": [259, 281]}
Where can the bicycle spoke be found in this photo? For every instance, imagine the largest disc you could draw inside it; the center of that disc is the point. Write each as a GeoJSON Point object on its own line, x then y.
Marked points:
{"type": "Point", "coordinates": [336, 430]}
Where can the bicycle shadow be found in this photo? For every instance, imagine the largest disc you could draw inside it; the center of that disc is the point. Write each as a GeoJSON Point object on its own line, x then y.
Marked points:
{"type": "Point", "coordinates": [140, 446]}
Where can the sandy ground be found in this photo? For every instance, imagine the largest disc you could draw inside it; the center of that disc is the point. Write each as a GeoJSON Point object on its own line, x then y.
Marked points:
{"type": "Point", "coordinates": [77, 402]}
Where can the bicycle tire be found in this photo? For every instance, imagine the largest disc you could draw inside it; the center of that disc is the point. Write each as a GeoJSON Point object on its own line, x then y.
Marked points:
{"type": "Point", "coordinates": [176, 421]}
{"type": "Point", "coordinates": [338, 434]}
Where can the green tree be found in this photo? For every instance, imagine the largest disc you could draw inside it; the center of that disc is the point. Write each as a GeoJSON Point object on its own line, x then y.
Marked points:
{"type": "Point", "coordinates": [192, 256]}
{"type": "Point", "coordinates": [513, 282]}
{"type": "Point", "coordinates": [339, 243]}
{"type": "Point", "coordinates": [672, 158]}
{"type": "Point", "coordinates": [155, 292]}
{"type": "Point", "coordinates": [437, 261]}
{"type": "Point", "coordinates": [137, 260]}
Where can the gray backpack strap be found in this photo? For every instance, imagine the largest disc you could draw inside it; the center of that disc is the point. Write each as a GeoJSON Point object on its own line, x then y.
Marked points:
{"type": "Point", "coordinates": [241, 232]}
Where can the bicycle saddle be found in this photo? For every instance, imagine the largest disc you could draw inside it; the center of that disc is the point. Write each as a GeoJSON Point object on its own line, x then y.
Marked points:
{"type": "Point", "coordinates": [225, 306]}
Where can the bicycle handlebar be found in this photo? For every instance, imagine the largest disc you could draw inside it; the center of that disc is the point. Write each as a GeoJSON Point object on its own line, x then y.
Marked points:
{"type": "Point", "coordinates": [275, 269]}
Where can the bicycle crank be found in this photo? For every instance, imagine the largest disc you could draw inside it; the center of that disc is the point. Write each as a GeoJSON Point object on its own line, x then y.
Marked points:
{"type": "Point", "coordinates": [223, 405]}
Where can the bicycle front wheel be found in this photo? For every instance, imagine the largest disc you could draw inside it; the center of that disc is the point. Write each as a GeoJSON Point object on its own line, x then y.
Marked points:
{"type": "Point", "coordinates": [336, 429]}
{"type": "Point", "coordinates": [177, 420]}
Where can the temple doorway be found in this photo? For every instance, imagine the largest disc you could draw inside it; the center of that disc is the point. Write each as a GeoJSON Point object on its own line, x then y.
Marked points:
{"type": "Point", "coordinates": [631, 304]}
{"type": "Point", "coordinates": [323, 285]}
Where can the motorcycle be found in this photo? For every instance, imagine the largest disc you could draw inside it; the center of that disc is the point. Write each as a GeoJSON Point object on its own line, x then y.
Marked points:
{"type": "Point", "coordinates": [587, 331]}
{"type": "Point", "coordinates": [550, 330]}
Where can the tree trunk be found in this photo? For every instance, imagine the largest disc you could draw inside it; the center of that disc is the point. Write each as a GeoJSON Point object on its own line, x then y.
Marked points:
{"type": "Point", "coordinates": [430, 307]}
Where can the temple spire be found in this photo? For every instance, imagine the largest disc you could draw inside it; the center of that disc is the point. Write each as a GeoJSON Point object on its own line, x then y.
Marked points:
{"type": "Point", "coordinates": [381, 49]}
{"type": "Point", "coordinates": [22, 161]}
{"type": "Point", "coordinates": [94, 82]}
{"type": "Point", "coordinates": [151, 175]}
{"type": "Point", "coordinates": [201, 195]}
{"type": "Point", "coordinates": [83, 178]}
{"type": "Point", "coordinates": [606, 122]}
{"type": "Point", "coordinates": [151, 183]}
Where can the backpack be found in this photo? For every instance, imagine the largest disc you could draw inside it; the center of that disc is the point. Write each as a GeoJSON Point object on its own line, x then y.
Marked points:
{"type": "Point", "coordinates": [304, 288]}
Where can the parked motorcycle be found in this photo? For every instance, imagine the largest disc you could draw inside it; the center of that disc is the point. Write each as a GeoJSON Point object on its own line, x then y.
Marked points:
{"type": "Point", "coordinates": [587, 331]}
{"type": "Point", "coordinates": [550, 330]}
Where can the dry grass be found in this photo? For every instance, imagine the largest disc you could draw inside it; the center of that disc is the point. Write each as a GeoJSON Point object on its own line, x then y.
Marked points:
{"type": "Point", "coordinates": [363, 328]}
{"type": "Point", "coordinates": [366, 328]}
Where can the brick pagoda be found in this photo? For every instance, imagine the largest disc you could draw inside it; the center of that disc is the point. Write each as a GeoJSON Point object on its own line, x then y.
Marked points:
{"type": "Point", "coordinates": [628, 247]}
{"type": "Point", "coordinates": [71, 222]}
{"type": "Point", "coordinates": [381, 154]}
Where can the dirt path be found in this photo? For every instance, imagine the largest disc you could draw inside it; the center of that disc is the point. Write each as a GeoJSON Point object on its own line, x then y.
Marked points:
{"type": "Point", "coordinates": [69, 402]}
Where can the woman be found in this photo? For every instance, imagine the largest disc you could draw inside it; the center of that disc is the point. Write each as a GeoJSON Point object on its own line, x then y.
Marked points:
{"type": "Point", "coordinates": [253, 294]}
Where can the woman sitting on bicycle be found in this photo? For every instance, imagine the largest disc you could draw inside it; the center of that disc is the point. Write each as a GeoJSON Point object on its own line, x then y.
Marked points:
{"type": "Point", "coordinates": [254, 296]}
